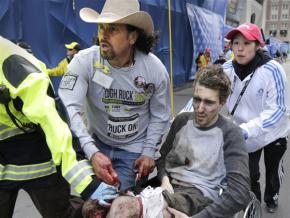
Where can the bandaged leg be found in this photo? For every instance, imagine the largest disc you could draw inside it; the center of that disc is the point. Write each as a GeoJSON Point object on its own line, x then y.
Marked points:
{"type": "Point", "coordinates": [91, 209]}
{"type": "Point", "coordinates": [150, 203]}
{"type": "Point", "coordinates": [126, 207]}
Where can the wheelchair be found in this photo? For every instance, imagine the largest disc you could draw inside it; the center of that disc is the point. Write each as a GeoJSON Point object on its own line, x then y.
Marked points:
{"type": "Point", "coordinates": [253, 209]}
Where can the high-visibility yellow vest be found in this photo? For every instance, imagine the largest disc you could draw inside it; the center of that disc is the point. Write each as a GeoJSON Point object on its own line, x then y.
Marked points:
{"type": "Point", "coordinates": [60, 69]}
{"type": "Point", "coordinates": [202, 62]}
{"type": "Point", "coordinates": [23, 75]}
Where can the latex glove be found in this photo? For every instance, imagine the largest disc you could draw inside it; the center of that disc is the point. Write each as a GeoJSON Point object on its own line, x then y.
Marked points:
{"type": "Point", "coordinates": [105, 194]}
{"type": "Point", "coordinates": [166, 185]}
{"type": "Point", "coordinates": [104, 169]}
{"type": "Point", "coordinates": [144, 165]}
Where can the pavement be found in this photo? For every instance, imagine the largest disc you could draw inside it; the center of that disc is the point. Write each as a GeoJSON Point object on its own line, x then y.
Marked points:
{"type": "Point", "coordinates": [24, 207]}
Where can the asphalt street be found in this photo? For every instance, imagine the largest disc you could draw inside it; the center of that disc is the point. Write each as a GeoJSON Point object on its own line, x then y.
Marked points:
{"type": "Point", "coordinates": [25, 209]}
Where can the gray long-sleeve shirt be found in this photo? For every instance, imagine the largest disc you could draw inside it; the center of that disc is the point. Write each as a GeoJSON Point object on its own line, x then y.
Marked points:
{"type": "Point", "coordinates": [203, 157]}
{"type": "Point", "coordinates": [131, 113]}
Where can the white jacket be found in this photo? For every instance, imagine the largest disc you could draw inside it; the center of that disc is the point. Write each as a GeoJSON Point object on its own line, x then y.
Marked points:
{"type": "Point", "coordinates": [264, 108]}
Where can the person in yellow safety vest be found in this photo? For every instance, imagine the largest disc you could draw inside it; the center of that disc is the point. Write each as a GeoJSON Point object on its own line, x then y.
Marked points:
{"type": "Point", "coordinates": [72, 49]}
{"type": "Point", "coordinates": [36, 152]}
{"type": "Point", "coordinates": [201, 61]}
{"type": "Point", "coordinates": [204, 59]}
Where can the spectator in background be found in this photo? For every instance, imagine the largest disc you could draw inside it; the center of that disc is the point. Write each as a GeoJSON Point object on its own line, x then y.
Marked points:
{"type": "Point", "coordinates": [228, 54]}
{"type": "Point", "coordinates": [273, 49]}
{"type": "Point", "coordinates": [260, 105]}
{"type": "Point", "coordinates": [221, 59]}
{"type": "Point", "coordinates": [72, 49]}
{"type": "Point", "coordinates": [203, 59]}
{"type": "Point", "coordinates": [267, 46]}
{"type": "Point", "coordinates": [278, 56]}
{"type": "Point", "coordinates": [284, 56]}
{"type": "Point", "coordinates": [207, 54]}
{"type": "Point", "coordinates": [198, 61]}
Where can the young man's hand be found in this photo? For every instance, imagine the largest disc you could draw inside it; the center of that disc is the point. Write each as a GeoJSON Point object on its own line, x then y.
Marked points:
{"type": "Point", "coordinates": [176, 213]}
{"type": "Point", "coordinates": [103, 169]}
{"type": "Point", "coordinates": [166, 185]}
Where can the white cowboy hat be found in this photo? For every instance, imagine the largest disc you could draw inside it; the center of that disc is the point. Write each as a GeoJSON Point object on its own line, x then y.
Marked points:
{"type": "Point", "coordinates": [120, 12]}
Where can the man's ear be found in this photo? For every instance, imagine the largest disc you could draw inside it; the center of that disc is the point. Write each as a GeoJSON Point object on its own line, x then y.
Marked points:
{"type": "Point", "coordinates": [222, 103]}
{"type": "Point", "coordinates": [133, 36]}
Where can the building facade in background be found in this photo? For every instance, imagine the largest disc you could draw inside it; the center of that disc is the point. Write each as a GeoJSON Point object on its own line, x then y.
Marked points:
{"type": "Point", "coordinates": [239, 12]}
{"type": "Point", "coordinates": [277, 20]}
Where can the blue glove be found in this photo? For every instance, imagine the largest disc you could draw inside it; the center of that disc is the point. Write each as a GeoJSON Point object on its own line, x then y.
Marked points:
{"type": "Point", "coordinates": [245, 134]}
{"type": "Point", "coordinates": [105, 194]}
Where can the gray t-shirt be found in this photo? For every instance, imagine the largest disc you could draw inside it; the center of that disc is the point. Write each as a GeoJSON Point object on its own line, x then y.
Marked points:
{"type": "Point", "coordinates": [203, 157]}
{"type": "Point", "coordinates": [132, 113]}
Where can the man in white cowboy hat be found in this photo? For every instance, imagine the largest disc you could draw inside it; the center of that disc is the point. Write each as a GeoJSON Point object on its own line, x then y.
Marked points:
{"type": "Point", "coordinates": [71, 49]}
{"type": "Point", "coordinates": [125, 89]}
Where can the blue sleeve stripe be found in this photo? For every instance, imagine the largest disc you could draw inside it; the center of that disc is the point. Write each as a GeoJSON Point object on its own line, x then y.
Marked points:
{"type": "Point", "coordinates": [280, 99]}
{"type": "Point", "coordinates": [189, 106]}
{"type": "Point", "coordinates": [227, 65]}
{"type": "Point", "coordinates": [226, 68]}
{"type": "Point", "coordinates": [275, 117]}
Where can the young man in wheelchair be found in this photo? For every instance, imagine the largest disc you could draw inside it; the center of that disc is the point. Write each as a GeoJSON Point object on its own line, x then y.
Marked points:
{"type": "Point", "coordinates": [203, 154]}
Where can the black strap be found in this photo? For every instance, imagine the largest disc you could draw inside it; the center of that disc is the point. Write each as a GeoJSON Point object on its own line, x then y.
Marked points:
{"type": "Point", "coordinates": [5, 98]}
{"type": "Point", "coordinates": [241, 94]}
{"type": "Point", "coordinates": [14, 119]}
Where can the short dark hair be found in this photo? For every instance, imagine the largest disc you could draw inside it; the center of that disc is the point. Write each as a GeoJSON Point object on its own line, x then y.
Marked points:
{"type": "Point", "coordinates": [77, 47]}
{"type": "Point", "coordinates": [95, 39]}
{"type": "Point", "coordinates": [144, 43]}
{"type": "Point", "coordinates": [214, 77]}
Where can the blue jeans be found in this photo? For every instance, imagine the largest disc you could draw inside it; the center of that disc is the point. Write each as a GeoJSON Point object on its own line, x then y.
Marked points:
{"type": "Point", "coordinates": [123, 163]}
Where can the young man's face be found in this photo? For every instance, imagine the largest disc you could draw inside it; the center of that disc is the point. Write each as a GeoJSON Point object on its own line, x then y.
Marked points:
{"type": "Point", "coordinates": [115, 40]}
{"type": "Point", "coordinates": [244, 50]}
{"type": "Point", "coordinates": [206, 105]}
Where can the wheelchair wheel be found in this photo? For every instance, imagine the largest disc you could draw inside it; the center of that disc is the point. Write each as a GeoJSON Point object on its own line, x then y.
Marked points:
{"type": "Point", "coordinates": [253, 209]}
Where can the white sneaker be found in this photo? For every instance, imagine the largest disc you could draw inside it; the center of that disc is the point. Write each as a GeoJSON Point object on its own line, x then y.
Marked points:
{"type": "Point", "coordinates": [152, 201]}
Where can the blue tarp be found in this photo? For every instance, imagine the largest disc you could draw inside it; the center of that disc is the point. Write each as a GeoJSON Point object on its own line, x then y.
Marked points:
{"type": "Point", "coordinates": [48, 24]}
{"type": "Point", "coordinates": [227, 28]}
{"type": "Point", "coordinates": [210, 26]}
